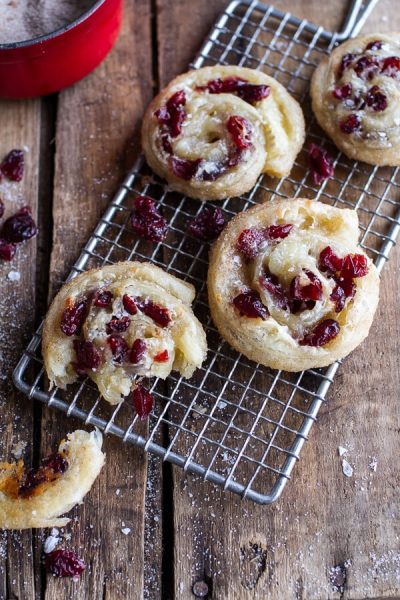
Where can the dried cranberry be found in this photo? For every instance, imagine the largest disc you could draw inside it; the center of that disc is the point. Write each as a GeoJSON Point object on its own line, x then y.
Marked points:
{"type": "Point", "coordinates": [346, 61]}
{"type": "Point", "coordinates": [320, 164]}
{"type": "Point", "coordinates": [129, 304]}
{"type": "Point", "coordinates": [118, 325]}
{"type": "Point", "coordinates": [146, 221]}
{"type": "Point", "coordinates": [278, 232]}
{"type": "Point", "coordinates": [118, 346]}
{"type": "Point", "coordinates": [249, 305]}
{"type": "Point", "coordinates": [159, 314]}
{"type": "Point", "coordinates": [162, 356]}
{"type": "Point", "coordinates": [52, 466]}
{"type": "Point", "coordinates": [375, 45]}
{"type": "Point", "coordinates": [19, 227]}
{"type": "Point", "coordinates": [166, 143]}
{"type": "Point", "coordinates": [208, 224]}
{"type": "Point", "coordinates": [173, 115]}
{"type": "Point", "coordinates": [138, 350]}
{"type": "Point", "coordinates": [103, 298]}
{"type": "Point", "coordinates": [306, 291]}
{"type": "Point", "coordinates": [321, 334]}
{"type": "Point", "coordinates": [376, 99]}
{"type": "Point", "coordinates": [391, 66]}
{"type": "Point", "coordinates": [345, 281]}
{"type": "Point", "coordinates": [329, 261]}
{"type": "Point", "coordinates": [355, 264]}
{"type": "Point", "coordinates": [249, 92]}
{"type": "Point", "coordinates": [142, 401]}
{"type": "Point", "coordinates": [252, 93]}
{"type": "Point", "coordinates": [338, 296]}
{"type": "Point", "coordinates": [87, 355]}
{"type": "Point", "coordinates": [249, 242]}
{"type": "Point", "coordinates": [7, 250]}
{"type": "Point", "coordinates": [271, 283]}
{"type": "Point", "coordinates": [228, 85]}
{"type": "Point", "coordinates": [73, 317]}
{"type": "Point", "coordinates": [350, 124]}
{"type": "Point", "coordinates": [366, 67]}
{"type": "Point", "coordinates": [1, 208]}
{"type": "Point", "coordinates": [240, 130]}
{"type": "Point", "coordinates": [56, 462]}
{"type": "Point", "coordinates": [64, 563]}
{"type": "Point", "coordinates": [185, 169]}
{"type": "Point", "coordinates": [343, 92]}
{"type": "Point", "coordinates": [12, 165]}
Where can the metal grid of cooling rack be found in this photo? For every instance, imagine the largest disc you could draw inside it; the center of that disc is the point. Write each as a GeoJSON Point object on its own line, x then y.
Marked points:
{"type": "Point", "coordinates": [234, 423]}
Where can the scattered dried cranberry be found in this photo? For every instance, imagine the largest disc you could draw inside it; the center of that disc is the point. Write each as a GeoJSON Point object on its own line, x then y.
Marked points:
{"type": "Point", "coordinates": [146, 221]}
{"type": "Point", "coordinates": [240, 130]}
{"type": "Point", "coordinates": [87, 356]}
{"type": "Point", "coordinates": [306, 291]}
{"type": "Point", "coordinates": [248, 92]}
{"type": "Point", "coordinates": [375, 45]}
{"type": "Point", "coordinates": [329, 261]}
{"type": "Point", "coordinates": [249, 305]}
{"type": "Point", "coordinates": [366, 67]}
{"type": "Point", "coordinates": [321, 334]}
{"type": "Point", "coordinates": [173, 115]}
{"type": "Point", "coordinates": [355, 264]}
{"type": "Point", "coordinates": [350, 124]}
{"type": "Point", "coordinates": [207, 225]}
{"type": "Point", "coordinates": [249, 242]}
{"type": "Point", "coordinates": [118, 325]}
{"type": "Point", "coordinates": [338, 296]}
{"type": "Point", "coordinates": [345, 63]}
{"type": "Point", "coordinates": [118, 346]}
{"type": "Point", "coordinates": [343, 92]}
{"type": "Point", "coordinates": [278, 232]}
{"type": "Point", "coordinates": [320, 164]}
{"type": "Point", "coordinates": [162, 356]}
{"type": "Point", "coordinates": [185, 169]}
{"type": "Point", "coordinates": [19, 227]}
{"type": "Point", "coordinates": [12, 165]}
{"type": "Point", "coordinates": [271, 283]}
{"type": "Point", "coordinates": [129, 304]}
{"type": "Point", "coordinates": [64, 563]}
{"type": "Point", "coordinates": [391, 66]}
{"type": "Point", "coordinates": [1, 208]}
{"type": "Point", "coordinates": [376, 99]}
{"type": "Point", "coordinates": [142, 401]}
{"type": "Point", "coordinates": [159, 314]}
{"type": "Point", "coordinates": [138, 350]}
{"type": "Point", "coordinates": [345, 281]}
{"type": "Point", "coordinates": [103, 298]}
{"type": "Point", "coordinates": [7, 250]}
{"type": "Point", "coordinates": [73, 317]}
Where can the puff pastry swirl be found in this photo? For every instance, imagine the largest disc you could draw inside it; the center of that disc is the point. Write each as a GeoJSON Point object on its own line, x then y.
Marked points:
{"type": "Point", "coordinates": [37, 499]}
{"type": "Point", "coordinates": [289, 287]}
{"type": "Point", "coordinates": [356, 98]}
{"type": "Point", "coordinates": [120, 323]}
{"type": "Point", "coordinates": [211, 132]}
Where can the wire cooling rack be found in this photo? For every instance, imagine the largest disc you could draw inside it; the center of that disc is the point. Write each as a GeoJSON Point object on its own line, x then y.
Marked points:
{"type": "Point", "coordinates": [234, 423]}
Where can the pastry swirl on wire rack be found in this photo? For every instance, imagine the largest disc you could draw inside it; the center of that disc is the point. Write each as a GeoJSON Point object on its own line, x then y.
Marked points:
{"type": "Point", "coordinates": [289, 287]}
{"type": "Point", "coordinates": [120, 323]}
{"type": "Point", "coordinates": [211, 132]}
{"type": "Point", "coordinates": [37, 498]}
{"type": "Point", "coordinates": [356, 98]}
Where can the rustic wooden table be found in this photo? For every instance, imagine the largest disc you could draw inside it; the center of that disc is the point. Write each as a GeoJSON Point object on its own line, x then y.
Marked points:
{"type": "Point", "coordinates": [80, 143]}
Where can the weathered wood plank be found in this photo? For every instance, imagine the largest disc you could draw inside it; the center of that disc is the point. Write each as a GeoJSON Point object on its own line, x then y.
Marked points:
{"type": "Point", "coordinates": [20, 128]}
{"type": "Point", "coordinates": [96, 141]}
{"type": "Point", "coordinates": [329, 536]}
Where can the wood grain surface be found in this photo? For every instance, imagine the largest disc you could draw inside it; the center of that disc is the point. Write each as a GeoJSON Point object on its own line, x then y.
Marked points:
{"type": "Point", "coordinates": [328, 536]}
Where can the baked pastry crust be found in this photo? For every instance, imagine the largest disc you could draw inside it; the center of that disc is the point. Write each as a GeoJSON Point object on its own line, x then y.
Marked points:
{"type": "Point", "coordinates": [275, 125]}
{"type": "Point", "coordinates": [275, 341]}
{"type": "Point", "coordinates": [356, 98]}
{"type": "Point", "coordinates": [85, 459]}
{"type": "Point", "coordinates": [181, 337]}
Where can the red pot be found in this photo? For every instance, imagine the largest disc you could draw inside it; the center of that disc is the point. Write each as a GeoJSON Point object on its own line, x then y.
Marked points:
{"type": "Point", "coordinates": [54, 61]}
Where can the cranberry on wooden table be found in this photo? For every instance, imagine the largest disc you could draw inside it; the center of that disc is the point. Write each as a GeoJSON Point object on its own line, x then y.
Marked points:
{"type": "Point", "coordinates": [19, 227]}
{"type": "Point", "coordinates": [64, 563]}
{"type": "Point", "coordinates": [12, 166]}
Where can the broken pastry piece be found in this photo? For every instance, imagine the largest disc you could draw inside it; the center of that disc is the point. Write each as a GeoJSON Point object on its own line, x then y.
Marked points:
{"type": "Point", "coordinates": [37, 498]}
{"type": "Point", "coordinates": [290, 287]}
{"type": "Point", "coordinates": [120, 323]}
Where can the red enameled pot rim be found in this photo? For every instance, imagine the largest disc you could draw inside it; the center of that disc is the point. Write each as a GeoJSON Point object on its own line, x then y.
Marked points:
{"type": "Point", "coordinates": [56, 33]}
